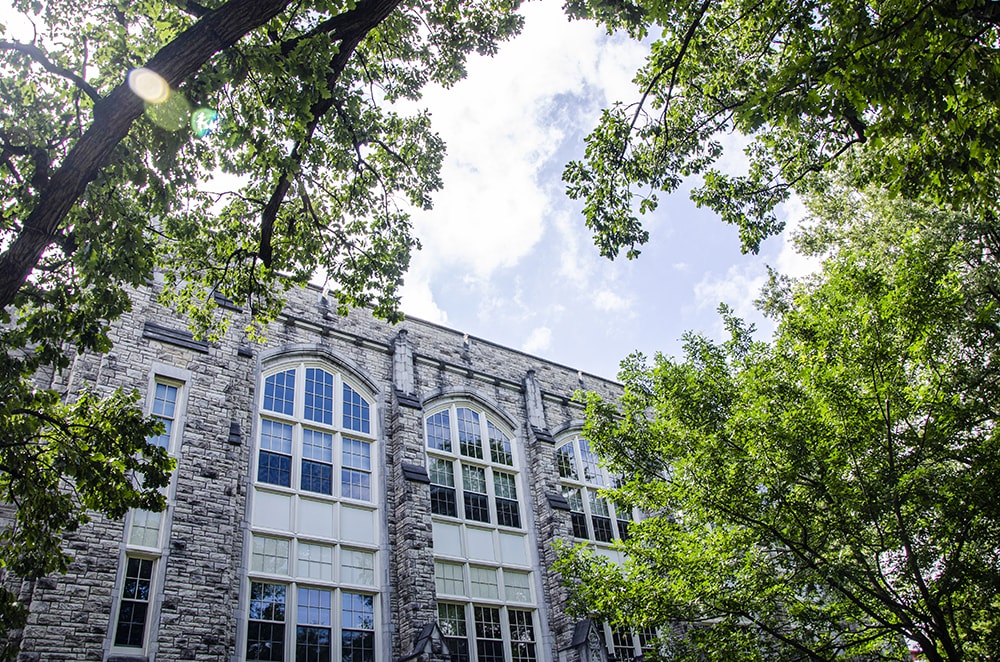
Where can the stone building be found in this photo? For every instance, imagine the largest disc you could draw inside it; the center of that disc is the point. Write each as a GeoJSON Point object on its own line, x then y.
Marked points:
{"type": "Point", "coordinates": [348, 490]}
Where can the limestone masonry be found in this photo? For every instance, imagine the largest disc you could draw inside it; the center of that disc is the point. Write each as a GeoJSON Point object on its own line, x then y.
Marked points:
{"type": "Point", "coordinates": [348, 490]}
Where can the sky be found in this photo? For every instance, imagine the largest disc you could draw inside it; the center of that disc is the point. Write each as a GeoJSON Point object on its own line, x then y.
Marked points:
{"type": "Point", "coordinates": [506, 256]}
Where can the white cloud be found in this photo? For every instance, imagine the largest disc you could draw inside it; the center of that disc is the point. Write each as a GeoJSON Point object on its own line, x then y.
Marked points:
{"type": "Point", "coordinates": [539, 340]}
{"type": "Point", "coordinates": [790, 262]}
{"type": "Point", "coordinates": [607, 301]}
{"type": "Point", "coordinates": [503, 124]}
{"type": "Point", "coordinates": [738, 288]}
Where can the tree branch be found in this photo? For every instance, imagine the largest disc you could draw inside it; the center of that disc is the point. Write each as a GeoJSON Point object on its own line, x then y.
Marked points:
{"type": "Point", "coordinates": [38, 55]}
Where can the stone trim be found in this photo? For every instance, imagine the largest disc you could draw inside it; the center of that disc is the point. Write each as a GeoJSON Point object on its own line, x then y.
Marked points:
{"type": "Point", "coordinates": [179, 337]}
{"type": "Point", "coordinates": [415, 473]}
{"type": "Point", "coordinates": [557, 501]}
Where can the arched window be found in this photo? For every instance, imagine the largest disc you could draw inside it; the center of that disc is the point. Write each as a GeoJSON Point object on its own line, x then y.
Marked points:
{"type": "Point", "coordinates": [314, 562]}
{"type": "Point", "coordinates": [482, 565]}
{"type": "Point", "coordinates": [593, 516]}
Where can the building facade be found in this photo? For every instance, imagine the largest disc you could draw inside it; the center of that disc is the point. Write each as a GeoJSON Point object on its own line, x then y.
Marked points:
{"type": "Point", "coordinates": [347, 490]}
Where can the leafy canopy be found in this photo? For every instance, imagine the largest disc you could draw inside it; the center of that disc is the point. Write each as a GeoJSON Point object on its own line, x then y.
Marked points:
{"type": "Point", "coordinates": [99, 190]}
{"type": "Point", "coordinates": [831, 492]}
{"type": "Point", "coordinates": [905, 89]}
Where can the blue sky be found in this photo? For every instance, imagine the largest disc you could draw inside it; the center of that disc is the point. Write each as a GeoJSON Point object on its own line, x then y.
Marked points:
{"type": "Point", "coordinates": [506, 255]}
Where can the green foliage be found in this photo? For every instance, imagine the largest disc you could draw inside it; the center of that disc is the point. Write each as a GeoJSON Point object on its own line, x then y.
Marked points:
{"type": "Point", "coordinates": [902, 88]}
{"type": "Point", "coordinates": [830, 493]}
{"type": "Point", "coordinates": [317, 169]}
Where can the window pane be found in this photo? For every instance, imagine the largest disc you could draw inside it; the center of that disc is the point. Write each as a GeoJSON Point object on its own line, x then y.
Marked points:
{"type": "Point", "coordinates": [591, 471]}
{"type": "Point", "coordinates": [265, 642]}
{"type": "Point", "coordinates": [164, 404]}
{"type": "Point", "coordinates": [357, 567]}
{"type": "Point", "coordinates": [317, 458]}
{"type": "Point", "coordinates": [443, 501]}
{"type": "Point", "coordinates": [267, 602]}
{"type": "Point", "coordinates": [317, 446]}
{"type": "Point", "coordinates": [266, 627]}
{"type": "Point", "coordinates": [602, 529]}
{"type": "Point", "coordinates": [517, 586]}
{"type": "Point", "coordinates": [473, 479]}
{"type": "Point", "coordinates": [489, 635]}
{"type": "Point", "coordinates": [319, 396]}
{"type": "Point", "coordinates": [269, 555]}
{"type": "Point", "coordinates": [315, 561]}
{"type": "Point", "coordinates": [470, 441]}
{"type": "Point", "coordinates": [484, 583]}
{"type": "Point", "coordinates": [477, 507]}
{"type": "Point", "coordinates": [448, 578]}
{"type": "Point", "coordinates": [275, 461]}
{"type": "Point", "coordinates": [499, 446]}
{"type": "Point", "coordinates": [508, 513]}
{"type": "Point", "coordinates": [279, 392]}
{"type": "Point", "coordinates": [312, 644]}
{"type": "Point", "coordinates": [451, 620]}
{"type": "Point", "coordinates": [439, 432]}
{"type": "Point", "coordinates": [355, 479]}
{"type": "Point", "coordinates": [132, 611]}
{"type": "Point", "coordinates": [356, 413]}
{"type": "Point", "coordinates": [314, 607]}
{"type": "Point", "coordinates": [274, 469]}
{"type": "Point", "coordinates": [522, 636]}
{"type": "Point", "coordinates": [566, 461]}
{"type": "Point", "coordinates": [358, 611]}
{"type": "Point", "coordinates": [145, 529]}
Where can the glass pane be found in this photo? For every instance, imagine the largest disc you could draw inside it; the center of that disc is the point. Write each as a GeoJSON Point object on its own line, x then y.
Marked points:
{"type": "Point", "coordinates": [279, 392]}
{"type": "Point", "coordinates": [315, 561]}
{"type": "Point", "coordinates": [499, 446]}
{"type": "Point", "coordinates": [358, 611]}
{"type": "Point", "coordinates": [356, 412]}
{"type": "Point", "coordinates": [312, 644]}
{"type": "Point", "coordinates": [269, 555]}
{"type": "Point", "coordinates": [265, 642]}
{"type": "Point", "coordinates": [317, 477]}
{"type": "Point", "coordinates": [439, 432]}
{"type": "Point", "coordinates": [591, 471]}
{"type": "Point", "coordinates": [442, 472]}
{"type": "Point", "coordinates": [357, 454]}
{"type": "Point", "coordinates": [317, 446]}
{"type": "Point", "coordinates": [164, 400]}
{"type": "Point", "coordinates": [504, 485]}
{"type": "Point", "coordinates": [314, 607]}
{"type": "Point", "coordinates": [276, 437]}
{"type": "Point", "coordinates": [357, 567]}
{"type": "Point", "coordinates": [319, 396]}
{"type": "Point", "coordinates": [473, 479]}
{"type": "Point", "coordinates": [567, 461]}
{"type": "Point", "coordinates": [517, 586]}
{"type": "Point", "coordinates": [448, 578]}
{"type": "Point", "coordinates": [470, 441]}
{"type": "Point", "coordinates": [484, 583]}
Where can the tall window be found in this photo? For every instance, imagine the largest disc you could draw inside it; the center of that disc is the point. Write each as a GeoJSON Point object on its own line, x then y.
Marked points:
{"type": "Point", "coordinates": [163, 407]}
{"type": "Point", "coordinates": [311, 441]}
{"type": "Point", "coordinates": [136, 611]}
{"type": "Point", "coordinates": [471, 468]}
{"type": "Point", "coordinates": [133, 610]}
{"type": "Point", "coordinates": [593, 517]}
{"type": "Point", "coordinates": [313, 591]}
{"type": "Point", "coordinates": [482, 570]}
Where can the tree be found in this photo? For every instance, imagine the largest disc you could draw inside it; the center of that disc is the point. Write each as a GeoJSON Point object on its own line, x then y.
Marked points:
{"type": "Point", "coordinates": [100, 188]}
{"type": "Point", "coordinates": [830, 493]}
{"type": "Point", "coordinates": [902, 89]}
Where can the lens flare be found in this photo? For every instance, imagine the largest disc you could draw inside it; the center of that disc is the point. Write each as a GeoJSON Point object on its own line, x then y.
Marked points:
{"type": "Point", "coordinates": [204, 121]}
{"type": "Point", "coordinates": [148, 85]}
{"type": "Point", "coordinates": [171, 114]}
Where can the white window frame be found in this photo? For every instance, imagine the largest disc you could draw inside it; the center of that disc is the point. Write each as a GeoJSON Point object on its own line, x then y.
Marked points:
{"type": "Point", "coordinates": [297, 577]}
{"type": "Point", "coordinates": [300, 424]}
{"type": "Point", "coordinates": [458, 460]}
{"type": "Point", "coordinates": [589, 489]}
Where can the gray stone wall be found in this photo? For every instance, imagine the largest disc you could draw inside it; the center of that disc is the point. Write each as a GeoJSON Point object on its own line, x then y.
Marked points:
{"type": "Point", "coordinates": [411, 365]}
